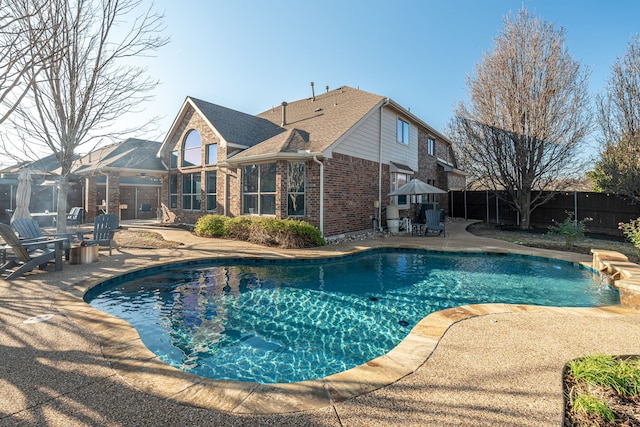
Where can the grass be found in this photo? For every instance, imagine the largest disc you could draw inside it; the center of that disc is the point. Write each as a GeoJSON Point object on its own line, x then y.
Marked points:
{"type": "Point", "coordinates": [588, 404]}
{"type": "Point", "coordinates": [604, 391]}
{"type": "Point", "coordinates": [606, 371]}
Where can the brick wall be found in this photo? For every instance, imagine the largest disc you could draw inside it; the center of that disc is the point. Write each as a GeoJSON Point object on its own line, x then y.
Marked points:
{"type": "Point", "coordinates": [428, 168]}
{"type": "Point", "coordinates": [350, 190]}
{"type": "Point", "coordinates": [190, 121]}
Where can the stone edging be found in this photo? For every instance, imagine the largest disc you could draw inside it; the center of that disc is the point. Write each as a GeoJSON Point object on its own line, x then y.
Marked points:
{"type": "Point", "coordinates": [129, 357]}
{"type": "Point", "coordinates": [625, 275]}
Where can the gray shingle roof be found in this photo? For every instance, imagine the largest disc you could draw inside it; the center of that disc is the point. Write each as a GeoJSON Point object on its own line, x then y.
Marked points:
{"type": "Point", "coordinates": [235, 126]}
{"type": "Point", "coordinates": [130, 155]}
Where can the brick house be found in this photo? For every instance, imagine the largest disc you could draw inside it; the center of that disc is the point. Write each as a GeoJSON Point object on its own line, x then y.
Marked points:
{"type": "Point", "coordinates": [330, 159]}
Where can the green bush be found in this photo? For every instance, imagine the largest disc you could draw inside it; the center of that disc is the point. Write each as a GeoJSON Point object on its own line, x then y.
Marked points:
{"type": "Point", "coordinates": [631, 231]}
{"type": "Point", "coordinates": [211, 226]}
{"type": "Point", "coordinates": [284, 233]}
{"type": "Point", "coordinates": [569, 229]}
{"type": "Point", "coordinates": [238, 228]}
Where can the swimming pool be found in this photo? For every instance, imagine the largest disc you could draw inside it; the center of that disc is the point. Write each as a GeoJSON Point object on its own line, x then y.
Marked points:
{"type": "Point", "coordinates": [291, 320]}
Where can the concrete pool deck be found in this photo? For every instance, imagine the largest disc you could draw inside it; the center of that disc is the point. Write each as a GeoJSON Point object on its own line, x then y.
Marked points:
{"type": "Point", "coordinates": [63, 364]}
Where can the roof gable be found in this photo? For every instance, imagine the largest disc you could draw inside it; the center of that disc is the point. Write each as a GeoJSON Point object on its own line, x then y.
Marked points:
{"type": "Point", "coordinates": [129, 155]}
{"type": "Point", "coordinates": [237, 127]}
{"type": "Point", "coordinates": [323, 119]}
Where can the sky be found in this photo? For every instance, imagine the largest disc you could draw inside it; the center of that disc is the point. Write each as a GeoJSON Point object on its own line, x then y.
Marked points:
{"type": "Point", "coordinates": [250, 55]}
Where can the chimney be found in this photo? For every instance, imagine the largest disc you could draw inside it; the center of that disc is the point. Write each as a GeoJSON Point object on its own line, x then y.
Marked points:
{"type": "Point", "coordinates": [284, 113]}
{"type": "Point", "coordinates": [313, 93]}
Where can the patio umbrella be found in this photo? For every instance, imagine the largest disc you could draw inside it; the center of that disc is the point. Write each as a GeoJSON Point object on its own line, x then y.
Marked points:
{"type": "Point", "coordinates": [23, 195]}
{"type": "Point", "coordinates": [415, 186]}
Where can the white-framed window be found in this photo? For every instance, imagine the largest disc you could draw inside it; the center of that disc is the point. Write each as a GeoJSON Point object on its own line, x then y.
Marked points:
{"type": "Point", "coordinates": [259, 189]}
{"type": "Point", "coordinates": [192, 149]}
{"type": "Point", "coordinates": [212, 154]}
{"type": "Point", "coordinates": [398, 179]}
{"type": "Point", "coordinates": [403, 131]}
{"type": "Point", "coordinates": [191, 191]}
{"type": "Point", "coordinates": [431, 147]}
{"type": "Point", "coordinates": [210, 189]}
{"type": "Point", "coordinates": [296, 184]}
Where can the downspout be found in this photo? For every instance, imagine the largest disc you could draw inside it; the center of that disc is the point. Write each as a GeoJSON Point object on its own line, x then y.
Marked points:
{"type": "Point", "coordinates": [385, 102]}
{"type": "Point", "coordinates": [315, 159]}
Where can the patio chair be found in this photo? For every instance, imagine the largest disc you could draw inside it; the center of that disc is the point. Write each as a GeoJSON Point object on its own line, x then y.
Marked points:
{"type": "Point", "coordinates": [27, 253]}
{"type": "Point", "coordinates": [104, 228]}
{"type": "Point", "coordinates": [75, 216]}
{"type": "Point", "coordinates": [28, 228]}
{"type": "Point", "coordinates": [434, 222]}
{"type": "Point", "coordinates": [145, 210]}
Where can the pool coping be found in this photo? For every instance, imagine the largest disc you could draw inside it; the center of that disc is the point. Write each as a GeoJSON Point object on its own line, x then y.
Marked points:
{"type": "Point", "coordinates": [137, 365]}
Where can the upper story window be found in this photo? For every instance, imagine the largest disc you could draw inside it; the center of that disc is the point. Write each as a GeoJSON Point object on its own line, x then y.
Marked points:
{"type": "Point", "coordinates": [173, 162]}
{"type": "Point", "coordinates": [192, 149]}
{"type": "Point", "coordinates": [212, 154]}
{"type": "Point", "coordinates": [431, 146]}
{"type": "Point", "coordinates": [403, 131]}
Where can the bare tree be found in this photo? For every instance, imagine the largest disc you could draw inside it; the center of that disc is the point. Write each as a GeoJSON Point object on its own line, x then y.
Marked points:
{"type": "Point", "coordinates": [22, 54]}
{"type": "Point", "coordinates": [528, 114]}
{"type": "Point", "coordinates": [618, 169]}
{"type": "Point", "coordinates": [80, 94]}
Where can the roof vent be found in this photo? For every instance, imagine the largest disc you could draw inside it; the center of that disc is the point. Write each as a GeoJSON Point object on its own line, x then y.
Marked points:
{"type": "Point", "coordinates": [284, 113]}
{"type": "Point", "coordinates": [313, 93]}
{"type": "Point", "coordinates": [327, 88]}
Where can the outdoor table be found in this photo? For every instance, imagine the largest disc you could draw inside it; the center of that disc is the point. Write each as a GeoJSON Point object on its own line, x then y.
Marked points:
{"type": "Point", "coordinates": [46, 216]}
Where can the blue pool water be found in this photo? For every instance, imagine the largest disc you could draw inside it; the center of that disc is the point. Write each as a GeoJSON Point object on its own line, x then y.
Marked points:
{"type": "Point", "coordinates": [285, 321]}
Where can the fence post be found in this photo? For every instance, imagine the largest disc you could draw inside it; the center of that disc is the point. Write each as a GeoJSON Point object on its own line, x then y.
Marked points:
{"type": "Point", "coordinates": [486, 192]}
{"type": "Point", "coordinates": [575, 208]}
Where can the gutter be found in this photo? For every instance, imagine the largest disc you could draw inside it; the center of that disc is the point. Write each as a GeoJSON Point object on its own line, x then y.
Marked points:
{"type": "Point", "coordinates": [379, 201]}
{"type": "Point", "coordinates": [315, 159]}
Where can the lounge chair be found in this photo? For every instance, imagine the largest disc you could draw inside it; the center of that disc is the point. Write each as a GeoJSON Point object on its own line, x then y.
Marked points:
{"type": "Point", "coordinates": [28, 254]}
{"type": "Point", "coordinates": [104, 228]}
{"type": "Point", "coordinates": [434, 222]}
{"type": "Point", "coordinates": [28, 228]}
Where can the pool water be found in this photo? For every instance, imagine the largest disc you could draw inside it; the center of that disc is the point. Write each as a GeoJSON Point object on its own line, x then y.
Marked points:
{"type": "Point", "coordinates": [285, 321]}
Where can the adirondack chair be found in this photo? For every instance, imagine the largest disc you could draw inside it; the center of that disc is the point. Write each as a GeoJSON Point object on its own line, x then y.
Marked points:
{"type": "Point", "coordinates": [104, 228]}
{"type": "Point", "coordinates": [75, 216]}
{"type": "Point", "coordinates": [434, 222]}
{"type": "Point", "coordinates": [28, 228]}
{"type": "Point", "coordinates": [27, 255]}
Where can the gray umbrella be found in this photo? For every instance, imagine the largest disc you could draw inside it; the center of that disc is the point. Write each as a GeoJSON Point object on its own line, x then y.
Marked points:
{"type": "Point", "coordinates": [23, 195]}
{"type": "Point", "coordinates": [415, 186]}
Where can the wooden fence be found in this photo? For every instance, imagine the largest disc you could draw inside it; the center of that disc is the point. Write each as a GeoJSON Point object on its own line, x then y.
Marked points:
{"type": "Point", "coordinates": [607, 210]}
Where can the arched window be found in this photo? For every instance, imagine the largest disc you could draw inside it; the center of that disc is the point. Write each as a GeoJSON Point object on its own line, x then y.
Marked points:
{"type": "Point", "coordinates": [192, 149]}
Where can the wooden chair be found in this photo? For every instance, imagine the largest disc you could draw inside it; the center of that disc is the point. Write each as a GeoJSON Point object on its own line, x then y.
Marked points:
{"type": "Point", "coordinates": [28, 254]}
{"type": "Point", "coordinates": [104, 228]}
{"type": "Point", "coordinates": [434, 222]}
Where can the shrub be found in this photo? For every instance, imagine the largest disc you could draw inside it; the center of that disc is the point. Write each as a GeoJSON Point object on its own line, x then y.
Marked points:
{"type": "Point", "coordinates": [238, 227]}
{"type": "Point", "coordinates": [569, 229]}
{"type": "Point", "coordinates": [631, 231]}
{"type": "Point", "coordinates": [211, 226]}
{"type": "Point", "coordinates": [285, 233]}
